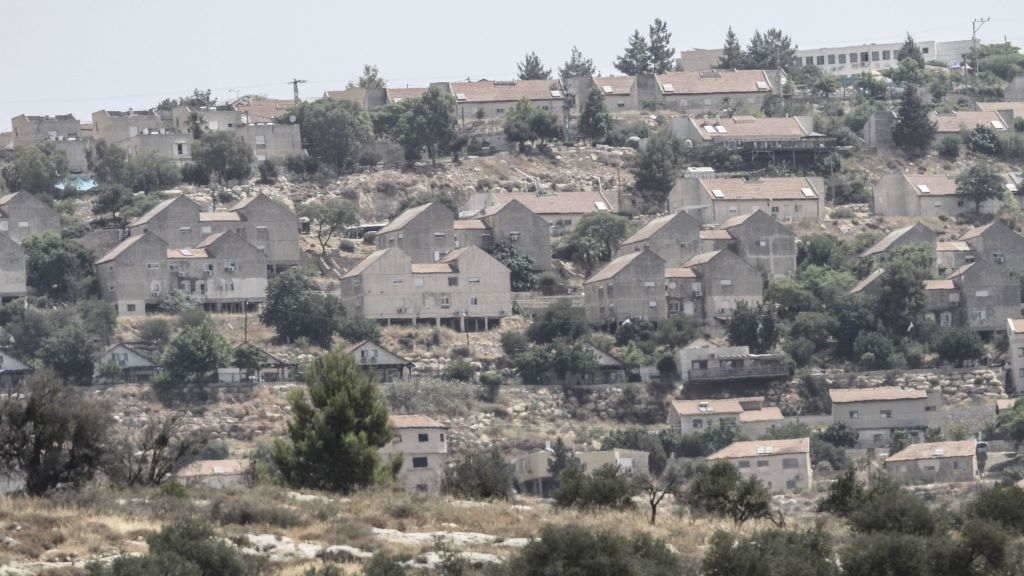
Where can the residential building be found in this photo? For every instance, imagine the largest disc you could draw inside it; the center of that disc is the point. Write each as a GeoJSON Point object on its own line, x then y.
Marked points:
{"type": "Point", "coordinates": [857, 59]}
{"type": "Point", "coordinates": [907, 236]}
{"type": "Point", "coordinates": [264, 222]}
{"type": "Point", "coordinates": [514, 223]}
{"type": "Point", "coordinates": [998, 243]}
{"type": "Point", "coordinates": [12, 270]}
{"type": "Point", "coordinates": [23, 215]}
{"type": "Point", "coordinates": [792, 134]}
{"type": "Point", "coordinates": [466, 290]}
{"type": "Point", "coordinates": [12, 370]}
{"type": "Point", "coordinates": [724, 281]}
{"type": "Point", "coordinates": [271, 141]}
{"type": "Point", "coordinates": [490, 100]}
{"type": "Point", "coordinates": [117, 127]}
{"type": "Point", "coordinates": [135, 362]}
{"type": "Point", "coordinates": [628, 461]}
{"type": "Point", "coordinates": [396, 95]}
{"type": "Point", "coordinates": [620, 92]}
{"type": "Point", "coordinates": [422, 444]}
{"type": "Point", "coordinates": [1015, 108]}
{"type": "Point", "coordinates": [562, 210]}
{"type": "Point", "coordinates": [220, 474]}
{"type": "Point", "coordinates": [607, 370]}
{"type": "Point", "coordinates": [1015, 354]}
{"type": "Point", "coordinates": [782, 465]}
{"type": "Point", "coordinates": [716, 200]}
{"type": "Point", "coordinates": [628, 287]}
{"type": "Point", "coordinates": [960, 121]}
{"type": "Point", "coordinates": [870, 285]}
{"type": "Point", "coordinates": [366, 98]}
{"type": "Point", "coordinates": [170, 145]}
{"type": "Point", "coordinates": [921, 196]}
{"type": "Point", "coordinates": [715, 90]}
{"type": "Point", "coordinates": [30, 130]}
{"type": "Point", "coordinates": [952, 254]}
{"type": "Point", "coordinates": [702, 362]}
{"type": "Point", "coordinates": [674, 237]}
{"type": "Point", "coordinates": [383, 364]}
{"type": "Point", "coordinates": [934, 462]}
{"type": "Point", "coordinates": [942, 302]}
{"type": "Point", "coordinates": [687, 416]}
{"type": "Point", "coordinates": [759, 423]}
{"type": "Point", "coordinates": [257, 110]}
{"type": "Point", "coordinates": [763, 242]}
{"type": "Point", "coordinates": [875, 414]}
{"type": "Point", "coordinates": [988, 295]}
{"type": "Point", "coordinates": [533, 473]}
{"type": "Point", "coordinates": [270, 368]}
{"type": "Point", "coordinates": [425, 233]}
{"type": "Point", "coordinates": [134, 274]}
{"type": "Point", "coordinates": [699, 60]}
{"type": "Point", "coordinates": [210, 118]}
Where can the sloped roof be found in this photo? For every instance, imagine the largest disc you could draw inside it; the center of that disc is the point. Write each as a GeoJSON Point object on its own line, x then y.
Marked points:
{"type": "Point", "coordinates": [714, 82]}
{"type": "Point", "coordinates": [187, 253]}
{"type": "Point", "coordinates": [211, 239]}
{"type": "Point", "coordinates": [611, 269]}
{"type": "Point", "coordinates": [750, 127]}
{"type": "Point", "coordinates": [936, 185]}
{"type": "Point", "coordinates": [759, 189]}
{"type": "Point", "coordinates": [867, 281]}
{"type": "Point", "coordinates": [615, 85]}
{"type": "Point", "coordinates": [1016, 324]}
{"type": "Point", "coordinates": [650, 229]}
{"type": "Point", "coordinates": [582, 202]}
{"type": "Point", "coordinates": [1017, 107]}
{"type": "Point", "coordinates": [680, 273]}
{"type": "Point", "coordinates": [888, 240]}
{"type": "Point", "coordinates": [220, 217]}
{"type": "Point", "coordinates": [700, 259]}
{"type": "Point", "coordinates": [968, 120]}
{"type": "Point", "coordinates": [399, 94]}
{"type": "Point", "coordinates": [707, 407]}
{"type": "Point", "coordinates": [952, 246]}
{"type": "Point", "coordinates": [432, 268]}
{"type": "Point", "coordinates": [934, 450]}
{"type": "Point", "coordinates": [149, 356]}
{"type": "Point", "coordinates": [155, 210]}
{"type": "Point", "coordinates": [413, 421]}
{"type": "Point", "coordinates": [755, 448]}
{"type": "Point", "coordinates": [404, 218]}
{"type": "Point", "coordinates": [977, 231]}
{"type": "Point", "coordinates": [942, 284]}
{"type": "Point", "coordinates": [878, 393]}
{"type": "Point", "coordinates": [715, 234]}
{"type": "Point", "coordinates": [260, 110]}
{"type": "Point", "coordinates": [765, 414]}
{"type": "Point", "coordinates": [511, 91]}
{"type": "Point", "coordinates": [365, 263]}
{"type": "Point", "coordinates": [960, 271]}
{"type": "Point", "coordinates": [474, 224]}
{"type": "Point", "coordinates": [352, 349]}
{"type": "Point", "coordinates": [119, 249]}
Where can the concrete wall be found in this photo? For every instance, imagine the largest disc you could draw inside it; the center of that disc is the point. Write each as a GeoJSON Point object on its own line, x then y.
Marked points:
{"type": "Point", "coordinates": [933, 470]}
{"type": "Point", "coordinates": [779, 472]}
{"type": "Point", "coordinates": [138, 276]}
{"type": "Point", "coordinates": [1002, 246]}
{"type": "Point", "coordinates": [271, 141]}
{"type": "Point", "coordinates": [767, 245]}
{"type": "Point", "coordinates": [12, 269]}
{"type": "Point", "coordinates": [529, 233]}
{"type": "Point", "coordinates": [176, 147]}
{"type": "Point", "coordinates": [727, 281]}
{"type": "Point", "coordinates": [677, 241]}
{"type": "Point", "coordinates": [1015, 353]}
{"type": "Point", "coordinates": [424, 454]}
{"type": "Point", "coordinates": [425, 238]}
{"type": "Point", "coordinates": [989, 295]}
{"type": "Point", "coordinates": [875, 429]}
{"type": "Point", "coordinates": [637, 292]}
{"type": "Point", "coordinates": [29, 130]}
{"type": "Point", "coordinates": [118, 128]}
{"type": "Point", "coordinates": [177, 224]}
{"type": "Point", "coordinates": [274, 228]}
{"type": "Point", "coordinates": [27, 216]}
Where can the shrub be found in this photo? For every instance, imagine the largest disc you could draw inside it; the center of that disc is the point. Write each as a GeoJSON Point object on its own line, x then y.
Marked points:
{"type": "Point", "coordinates": [578, 550]}
{"type": "Point", "coordinates": [490, 387]}
{"type": "Point", "coordinates": [268, 172]}
{"type": "Point", "coordinates": [155, 330]}
{"type": "Point", "coordinates": [183, 549]}
{"type": "Point", "coordinates": [513, 343]}
{"type": "Point", "coordinates": [958, 344]}
{"type": "Point", "coordinates": [1002, 504]}
{"type": "Point", "coordinates": [195, 175]}
{"type": "Point", "coordinates": [984, 140]}
{"type": "Point", "coordinates": [800, 350]}
{"type": "Point", "coordinates": [770, 553]}
{"type": "Point", "coordinates": [608, 486]}
{"type": "Point", "coordinates": [253, 508]}
{"type": "Point", "coordinates": [888, 508]}
{"type": "Point", "coordinates": [949, 147]}
{"type": "Point", "coordinates": [459, 369]}
{"type": "Point", "coordinates": [481, 475]}
{"type": "Point", "coordinates": [874, 350]}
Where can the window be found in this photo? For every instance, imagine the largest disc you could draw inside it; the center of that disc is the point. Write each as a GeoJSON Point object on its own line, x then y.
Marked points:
{"type": "Point", "coordinates": [621, 104]}
{"type": "Point", "coordinates": [419, 282]}
{"type": "Point", "coordinates": [453, 280]}
{"type": "Point", "coordinates": [809, 61]}
{"type": "Point", "coordinates": [180, 148]}
{"type": "Point", "coordinates": [874, 56]}
{"type": "Point", "coordinates": [473, 280]}
{"type": "Point", "coordinates": [652, 304]}
{"type": "Point", "coordinates": [422, 488]}
{"type": "Point", "coordinates": [474, 301]}
{"type": "Point", "coordinates": [924, 50]}
{"type": "Point", "coordinates": [513, 236]}
{"type": "Point", "coordinates": [854, 414]}
{"type": "Point", "coordinates": [698, 423]}
{"type": "Point", "coordinates": [853, 58]}
{"type": "Point", "coordinates": [130, 308]}
{"type": "Point", "coordinates": [762, 243]}
{"type": "Point", "coordinates": [775, 209]}
{"type": "Point", "coordinates": [262, 234]}
{"type": "Point", "coordinates": [831, 58]}
{"type": "Point", "coordinates": [500, 110]}
{"type": "Point", "coordinates": [152, 265]}
{"type": "Point", "coordinates": [439, 234]}
{"type": "Point", "coordinates": [743, 464]}
{"type": "Point", "coordinates": [1020, 352]}
{"type": "Point", "coordinates": [979, 315]}
{"type": "Point", "coordinates": [260, 140]}
{"type": "Point", "coordinates": [885, 414]}
{"type": "Point", "coordinates": [999, 258]}
{"type": "Point", "coordinates": [842, 58]}
{"type": "Point", "coordinates": [762, 463]}
{"type": "Point", "coordinates": [396, 280]}
{"type": "Point", "coordinates": [791, 483]}
{"type": "Point", "coordinates": [821, 61]}
{"type": "Point", "coordinates": [420, 462]}
{"type": "Point", "coordinates": [444, 301]}
{"type": "Point", "coordinates": [185, 232]}
{"type": "Point", "coordinates": [864, 57]}
{"type": "Point", "coordinates": [982, 294]}
{"type": "Point", "coordinates": [423, 437]}
{"type": "Point", "coordinates": [673, 306]}
{"type": "Point", "coordinates": [790, 463]}
{"type": "Point", "coordinates": [885, 55]}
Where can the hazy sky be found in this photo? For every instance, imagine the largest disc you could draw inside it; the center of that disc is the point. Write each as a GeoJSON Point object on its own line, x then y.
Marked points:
{"type": "Point", "coordinates": [59, 56]}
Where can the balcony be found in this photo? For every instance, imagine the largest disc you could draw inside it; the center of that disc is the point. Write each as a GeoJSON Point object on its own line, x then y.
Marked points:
{"type": "Point", "coordinates": [712, 374]}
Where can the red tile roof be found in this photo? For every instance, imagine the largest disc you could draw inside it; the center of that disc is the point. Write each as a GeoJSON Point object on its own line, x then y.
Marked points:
{"type": "Point", "coordinates": [756, 448]}
{"type": "Point", "coordinates": [760, 189]}
{"type": "Point", "coordinates": [878, 393]}
{"type": "Point", "coordinates": [714, 82]}
{"type": "Point", "coordinates": [511, 91]}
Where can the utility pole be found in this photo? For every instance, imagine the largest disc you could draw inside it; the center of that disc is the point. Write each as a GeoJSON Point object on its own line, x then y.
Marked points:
{"type": "Point", "coordinates": [976, 25]}
{"type": "Point", "coordinates": [295, 88]}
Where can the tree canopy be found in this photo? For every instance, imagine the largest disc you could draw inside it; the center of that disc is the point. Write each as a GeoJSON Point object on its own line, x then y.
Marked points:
{"type": "Point", "coordinates": [578, 66]}
{"type": "Point", "coordinates": [335, 132]}
{"type": "Point", "coordinates": [531, 68]}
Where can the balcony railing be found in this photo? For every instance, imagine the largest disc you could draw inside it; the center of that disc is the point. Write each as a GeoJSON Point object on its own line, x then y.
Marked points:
{"type": "Point", "coordinates": [762, 371]}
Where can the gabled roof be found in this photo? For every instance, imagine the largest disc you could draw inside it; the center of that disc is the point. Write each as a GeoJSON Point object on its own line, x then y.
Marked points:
{"type": "Point", "coordinates": [701, 259]}
{"type": "Point", "coordinates": [12, 364]}
{"type": "Point", "coordinates": [935, 450]}
{"type": "Point", "coordinates": [977, 231]}
{"type": "Point", "coordinates": [707, 407]}
{"type": "Point", "coordinates": [925, 185]}
{"type": "Point", "coordinates": [960, 271]}
{"type": "Point", "coordinates": [352, 349]}
{"type": "Point", "coordinates": [156, 210]}
{"type": "Point", "coordinates": [119, 249]}
{"type": "Point", "coordinates": [611, 269]}
{"type": "Point", "coordinates": [413, 421]}
{"type": "Point", "coordinates": [366, 263]}
{"type": "Point", "coordinates": [404, 218]}
{"type": "Point", "coordinates": [398, 94]}
{"type": "Point", "coordinates": [755, 448]}
{"type": "Point", "coordinates": [582, 202]}
{"type": "Point", "coordinates": [889, 239]}
{"type": "Point", "coordinates": [953, 246]}
{"type": "Point", "coordinates": [655, 225]}
{"type": "Point", "coordinates": [968, 120]}
{"type": "Point", "coordinates": [148, 355]}
{"type": "Point", "coordinates": [187, 253]}
{"type": "Point", "coordinates": [939, 285]}
{"type": "Point", "coordinates": [1016, 324]}
{"type": "Point", "coordinates": [876, 394]}
{"type": "Point", "coordinates": [680, 273]}
{"type": "Point", "coordinates": [759, 189]}
{"type": "Point", "coordinates": [259, 109]}
{"type": "Point", "coordinates": [764, 414]}
{"type": "Point", "coordinates": [867, 281]}
{"type": "Point", "coordinates": [714, 82]}
{"type": "Point", "coordinates": [715, 234]}
{"type": "Point", "coordinates": [211, 239]}
{"type": "Point", "coordinates": [615, 85]}
{"type": "Point", "coordinates": [751, 128]}
{"type": "Point", "coordinates": [510, 91]}
{"type": "Point", "coordinates": [474, 224]}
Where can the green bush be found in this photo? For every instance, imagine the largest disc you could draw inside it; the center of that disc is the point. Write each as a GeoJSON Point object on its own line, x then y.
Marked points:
{"type": "Point", "coordinates": [801, 350]}
{"type": "Point", "coordinates": [606, 487]}
{"type": "Point", "coordinates": [182, 549]}
{"type": "Point", "coordinates": [481, 475]}
{"type": "Point", "coordinates": [459, 369]}
{"type": "Point", "coordinates": [574, 550]}
{"type": "Point", "coordinates": [253, 508]}
{"type": "Point", "coordinates": [983, 140]}
{"type": "Point", "coordinates": [949, 147]}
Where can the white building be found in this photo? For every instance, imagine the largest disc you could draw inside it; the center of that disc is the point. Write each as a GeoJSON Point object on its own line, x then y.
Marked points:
{"type": "Point", "coordinates": [859, 58]}
{"type": "Point", "coordinates": [422, 443]}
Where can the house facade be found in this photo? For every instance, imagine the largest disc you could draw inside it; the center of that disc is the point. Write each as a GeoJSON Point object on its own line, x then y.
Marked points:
{"type": "Point", "coordinates": [134, 363]}
{"type": "Point", "coordinates": [997, 243]}
{"type": "Point", "coordinates": [562, 210]}
{"type": "Point", "coordinates": [878, 413]}
{"type": "Point", "coordinates": [467, 290]}
{"type": "Point", "coordinates": [519, 226]}
{"type": "Point", "coordinates": [383, 364]}
{"type": "Point", "coordinates": [1015, 354]}
{"type": "Point", "coordinates": [116, 127]}
{"type": "Point", "coordinates": [792, 134]}
{"type": "Point", "coordinates": [906, 236]}
{"type": "Point", "coordinates": [29, 130]}
{"type": "Point", "coordinates": [674, 237]}
{"type": "Point", "coordinates": [425, 233]}
{"type": "Point", "coordinates": [701, 362]}
{"type": "Point", "coordinates": [921, 196]}
{"type": "Point", "coordinates": [934, 462]}
{"type": "Point", "coordinates": [270, 141]}
{"type": "Point", "coordinates": [858, 59]}
{"type": "Point", "coordinates": [488, 100]}
{"type": "Point", "coordinates": [716, 200]}
{"type": "Point", "coordinates": [422, 444]}
{"type": "Point", "coordinates": [23, 215]}
{"type": "Point", "coordinates": [763, 242]}
{"type": "Point", "coordinates": [724, 280]}
{"type": "Point", "coordinates": [629, 287]}
{"type": "Point", "coordinates": [782, 465]}
{"type": "Point", "coordinates": [12, 270]}
{"type": "Point", "coordinates": [988, 295]}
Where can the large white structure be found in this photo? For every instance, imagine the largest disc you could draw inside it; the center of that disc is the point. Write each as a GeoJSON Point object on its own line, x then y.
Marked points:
{"type": "Point", "coordinates": [860, 58]}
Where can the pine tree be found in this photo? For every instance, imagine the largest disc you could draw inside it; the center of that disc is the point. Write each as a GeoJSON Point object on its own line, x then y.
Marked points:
{"type": "Point", "coordinates": [659, 48]}
{"type": "Point", "coordinates": [732, 52]}
{"type": "Point", "coordinates": [979, 184]}
{"type": "Point", "coordinates": [770, 50]}
{"type": "Point", "coordinates": [335, 429]}
{"type": "Point", "coordinates": [655, 171]}
{"type": "Point", "coordinates": [910, 50]}
{"type": "Point", "coordinates": [578, 66]}
{"type": "Point", "coordinates": [636, 59]}
{"type": "Point", "coordinates": [595, 121]}
{"type": "Point", "coordinates": [913, 132]}
{"type": "Point", "coordinates": [531, 68]}
{"type": "Point", "coordinates": [369, 79]}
